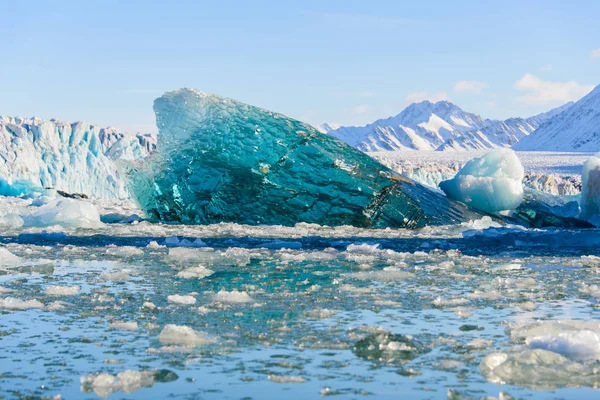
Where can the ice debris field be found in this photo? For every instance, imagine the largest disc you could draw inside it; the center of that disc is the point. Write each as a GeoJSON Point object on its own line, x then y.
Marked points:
{"type": "Point", "coordinates": [100, 299]}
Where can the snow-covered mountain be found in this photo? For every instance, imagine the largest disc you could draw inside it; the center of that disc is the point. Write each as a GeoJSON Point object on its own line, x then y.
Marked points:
{"type": "Point", "coordinates": [421, 126]}
{"type": "Point", "coordinates": [439, 126]}
{"type": "Point", "coordinates": [500, 133]}
{"type": "Point", "coordinates": [575, 129]}
{"type": "Point", "coordinates": [327, 127]}
{"type": "Point", "coordinates": [73, 157]}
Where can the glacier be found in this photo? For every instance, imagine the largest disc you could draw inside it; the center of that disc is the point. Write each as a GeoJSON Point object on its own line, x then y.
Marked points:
{"type": "Point", "coordinates": [491, 183]}
{"type": "Point", "coordinates": [219, 160]}
{"type": "Point", "coordinates": [72, 157]}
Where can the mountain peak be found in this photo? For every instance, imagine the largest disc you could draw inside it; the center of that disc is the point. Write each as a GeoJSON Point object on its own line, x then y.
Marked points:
{"type": "Point", "coordinates": [576, 128]}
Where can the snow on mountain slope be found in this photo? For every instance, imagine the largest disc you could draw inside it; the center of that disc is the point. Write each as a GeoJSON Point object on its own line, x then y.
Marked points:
{"type": "Point", "coordinates": [73, 157]}
{"type": "Point", "coordinates": [421, 126]}
{"type": "Point", "coordinates": [439, 126]}
{"type": "Point", "coordinates": [500, 133]}
{"type": "Point", "coordinates": [327, 127]}
{"type": "Point", "coordinates": [497, 134]}
{"type": "Point", "coordinates": [575, 129]}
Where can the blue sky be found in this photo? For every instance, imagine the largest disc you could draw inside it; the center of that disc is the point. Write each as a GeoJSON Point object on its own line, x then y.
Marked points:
{"type": "Point", "coordinates": [347, 62]}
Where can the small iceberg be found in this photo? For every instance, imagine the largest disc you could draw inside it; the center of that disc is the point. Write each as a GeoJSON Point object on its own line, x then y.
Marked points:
{"type": "Point", "coordinates": [491, 183]}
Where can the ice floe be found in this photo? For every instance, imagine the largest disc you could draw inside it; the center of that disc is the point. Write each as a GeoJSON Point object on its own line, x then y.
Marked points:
{"type": "Point", "coordinates": [183, 336]}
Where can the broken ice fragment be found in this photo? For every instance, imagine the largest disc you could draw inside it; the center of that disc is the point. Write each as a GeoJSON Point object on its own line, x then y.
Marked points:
{"type": "Point", "coordinates": [490, 183]}
{"type": "Point", "coordinates": [219, 160]}
{"type": "Point", "coordinates": [184, 336]}
{"type": "Point", "coordinates": [388, 348]}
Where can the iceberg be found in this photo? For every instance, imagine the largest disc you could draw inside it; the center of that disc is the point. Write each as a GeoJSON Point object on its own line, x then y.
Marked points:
{"type": "Point", "coordinates": [590, 190]}
{"type": "Point", "coordinates": [491, 183]}
{"type": "Point", "coordinates": [219, 160]}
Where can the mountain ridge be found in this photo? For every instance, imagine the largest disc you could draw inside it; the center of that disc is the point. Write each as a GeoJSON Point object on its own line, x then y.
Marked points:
{"type": "Point", "coordinates": [441, 126]}
{"type": "Point", "coordinates": [575, 129]}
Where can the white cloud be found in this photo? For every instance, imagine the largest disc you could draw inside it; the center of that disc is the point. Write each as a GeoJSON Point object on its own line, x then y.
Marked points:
{"type": "Point", "coordinates": [546, 68]}
{"type": "Point", "coordinates": [595, 54]}
{"type": "Point", "coordinates": [417, 97]}
{"type": "Point", "coordinates": [474, 87]}
{"type": "Point", "coordinates": [360, 109]}
{"type": "Point", "coordinates": [548, 92]}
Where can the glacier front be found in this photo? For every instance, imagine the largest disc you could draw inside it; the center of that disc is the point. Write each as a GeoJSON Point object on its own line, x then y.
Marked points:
{"type": "Point", "coordinates": [219, 160]}
{"type": "Point", "coordinates": [72, 157]}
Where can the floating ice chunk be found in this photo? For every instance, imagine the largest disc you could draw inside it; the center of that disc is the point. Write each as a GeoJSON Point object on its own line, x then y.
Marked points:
{"type": "Point", "coordinates": [491, 183]}
{"type": "Point", "coordinates": [234, 296]}
{"type": "Point", "coordinates": [183, 336]}
{"type": "Point", "coordinates": [286, 379]}
{"type": "Point", "coordinates": [364, 248]}
{"type": "Point", "coordinates": [8, 259]}
{"type": "Point", "coordinates": [219, 160]}
{"type": "Point", "coordinates": [178, 299]}
{"type": "Point", "coordinates": [57, 306]}
{"type": "Point", "coordinates": [104, 384]}
{"type": "Point", "coordinates": [11, 303]}
{"type": "Point", "coordinates": [186, 255]}
{"type": "Point", "coordinates": [538, 369]}
{"type": "Point", "coordinates": [388, 347]}
{"type": "Point", "coordinates": [483, 223]}
{"type": "Point", "coordinates": [525, 331]}
{"type": "Point", "coordinates": [66, 213]}
{"type": "Point", "coordinates": [153, 245]}
{"type": "Point", "coordinates": [126, 326]}
{"type": "Point", "coordinates": [62, 290]}
{"type": "Point", "coordinates": [578, 345]}
{"type": "Point", "coordinates": [4, 290]}
{"type": "Point", "coordinates": [11, 220]}
{"type": "Point", "coordinates": [479, 344]}
{"type": "Point", "coordinates": [195, 272]}
{"type": "Point", "coordinates": [149, 305]}
{"type": "Point", "coordinates": [320, 313]}
{"type": "Point", "coordinates": [125, 251]}
{"type": "Point", "coordinates": [590, 190]}
{"type": "Point", "coordinates": [119, 276]}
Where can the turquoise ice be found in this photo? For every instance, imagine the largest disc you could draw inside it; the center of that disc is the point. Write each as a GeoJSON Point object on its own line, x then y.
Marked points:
{"type": "Point", "coordinates": [219, 160]}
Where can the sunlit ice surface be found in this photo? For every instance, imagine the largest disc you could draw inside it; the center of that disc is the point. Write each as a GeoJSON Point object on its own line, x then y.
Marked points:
{"type": "Point", "coordinates": [148, 310]}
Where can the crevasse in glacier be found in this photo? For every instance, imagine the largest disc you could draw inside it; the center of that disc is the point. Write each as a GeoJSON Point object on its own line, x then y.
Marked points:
{"type": "Point", "coordinates": [219, 160]}
{"type": "Point", "coordinates": [490, 183]}
{"type": "Point", "coordinates": [73, 157]}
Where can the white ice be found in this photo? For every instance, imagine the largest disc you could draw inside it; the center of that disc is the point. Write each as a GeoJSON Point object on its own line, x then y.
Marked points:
{"type": "Point", "coordinates": [11, 303]}
{"type": "Point", "coordinates": [66, 213]}
{"type": "Point", "coordinates": [8, 259]}
{"type": "Point", "coordinates": [234, 296]}
{"type": "Point", "coordinates": [62, 290]}
{"type": "Point", "coordinates": [183, 336]}
{"type": "Point", "coordinates": [179, 299]}
{"type": "Point", "coordinates": [590, 190]}
{"type": "Point", "coordinates": [491, 183]}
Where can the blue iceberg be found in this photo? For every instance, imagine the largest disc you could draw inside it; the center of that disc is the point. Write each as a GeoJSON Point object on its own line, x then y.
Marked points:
{"type": "Point", "coordinates": [219, 160]}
